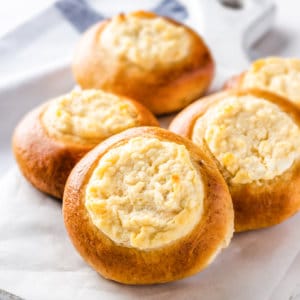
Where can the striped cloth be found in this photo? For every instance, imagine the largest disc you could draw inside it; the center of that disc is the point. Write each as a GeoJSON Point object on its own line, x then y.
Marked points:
{"type": "Point", "coordinates": [48, 39]}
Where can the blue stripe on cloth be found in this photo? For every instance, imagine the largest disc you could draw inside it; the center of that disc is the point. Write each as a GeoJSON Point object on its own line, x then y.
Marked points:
{"type": "Point", "coordinates": [78, 13]}
{"type": "Point", "coordinates": [82, 16]}
{"type": "Point", "coordinates": [172, 9]}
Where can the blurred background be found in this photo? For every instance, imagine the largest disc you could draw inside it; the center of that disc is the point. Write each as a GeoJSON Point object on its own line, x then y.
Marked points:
{"type": "Point", "coordinates": [286, 28]}
{"type": "Point", "coordinates": [37, 35]}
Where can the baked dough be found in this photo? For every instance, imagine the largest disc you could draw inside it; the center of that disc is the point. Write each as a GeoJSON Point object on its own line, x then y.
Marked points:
{"type": "Point", "coordinates": [147, 206]}
{"type": "Point", "coordinates": [50, 140]}
{"type": "Point", "coordinates": [255, 137]}
{"type": "Point", "coordinates": [155, 60]}
{"type": "Point", "coordinates": [274, 74]}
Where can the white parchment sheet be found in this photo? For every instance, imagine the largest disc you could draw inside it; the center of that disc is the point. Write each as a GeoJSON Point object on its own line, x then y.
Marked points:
{"type": "Point", "coordinates": [37, 260]}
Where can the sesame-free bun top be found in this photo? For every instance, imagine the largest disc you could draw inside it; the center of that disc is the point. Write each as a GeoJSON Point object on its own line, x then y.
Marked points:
{"type": "Point", "coordinates": [251, 137]}
{"type": "Point", "coordinates": [147, 206]}
{"type": "Point", "coordinates": [255, 136]}
{"type": "Point", "coordinates": [146, 42]}
{"type": "Point", "coordinates": [50, 140]}
{"type": "Point", "coordinates": [89, 116]}
{"type": "Point", "coordinates": [155, 60]}
{"type": "Point", "coordinates": [134, 198]}
{"type": "Point", "coordinates": [274, 74]}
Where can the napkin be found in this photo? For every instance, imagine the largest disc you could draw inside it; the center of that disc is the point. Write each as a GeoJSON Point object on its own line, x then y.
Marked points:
{"type": "Point", "coordinates": [48, 39]}
{"type": "Point", "coordinates": [44, 45]}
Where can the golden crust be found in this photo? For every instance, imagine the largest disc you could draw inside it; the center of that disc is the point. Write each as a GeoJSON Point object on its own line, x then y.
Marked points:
{"type": "Point", "coordinates": [47, 161]}
{"type": "Point", "coordinates": [256, 205]}
{"type": "Point", "coordinates": [177, 260]}
{"type": "Point", "coordinates": [162, 90]}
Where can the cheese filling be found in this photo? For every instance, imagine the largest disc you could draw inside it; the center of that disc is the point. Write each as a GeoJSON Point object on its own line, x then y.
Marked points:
{"type": "Point", "coordinates": [145, 193]}
{"type": "Point", "coordinates": [277, 75]}
{"type": "Point", "coordinates": [146, 42]}
{"type": "Point", "coordinates": [251, 137]}
{"type": "Point", "coordinates": [88, 116]}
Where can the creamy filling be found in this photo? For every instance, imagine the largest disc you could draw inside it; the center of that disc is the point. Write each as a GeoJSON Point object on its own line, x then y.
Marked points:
{"type": "Point", "coordinates": [146, 42]}
{"type": "Point", "coordinates": [88, 116]}
{"type": "Point", "coordinates": [252, 138]}
{"type": "Point", "coordinates": [277, 75]}
{"type": "Point", "coordinates": [145, 193]}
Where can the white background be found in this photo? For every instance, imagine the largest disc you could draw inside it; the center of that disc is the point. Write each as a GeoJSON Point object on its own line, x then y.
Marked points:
{"type": "Point", "coordinates": [283, 40]}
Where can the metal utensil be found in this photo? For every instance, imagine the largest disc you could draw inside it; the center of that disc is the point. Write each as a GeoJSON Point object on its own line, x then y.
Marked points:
{"type": "Point", "coordinates": [230, 28]}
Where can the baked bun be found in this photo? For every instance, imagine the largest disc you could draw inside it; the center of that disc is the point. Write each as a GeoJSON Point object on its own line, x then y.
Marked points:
{"type": "Point", "coordinates": [255, 137]}
{"type": "Point", "coordinates": [51, 139]}
{"type": "Point", "coordinates": [278, 75]}
{"type": "Point", "coordinates": [147, 206]}
{"type": "Point", "coordinates": [155, 60]}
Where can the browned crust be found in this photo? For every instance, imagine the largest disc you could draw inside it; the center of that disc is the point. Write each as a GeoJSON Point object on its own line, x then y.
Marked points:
{"type": "Point", "coordinates": [46, 161]}
{"type": "Point", "coordinates": [162, 91]}
{"type": "Point", "coordinates": [234, 82]}
{"type": "Point", "coordinates": [255, 205]}
{"type": "Point", "coordinates": [179, 259]}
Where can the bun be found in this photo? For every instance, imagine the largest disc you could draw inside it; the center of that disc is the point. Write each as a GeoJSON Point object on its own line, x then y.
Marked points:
{"type": "Point", "coordinates": [255, 138]}
{"type": "Point", "coordinates": [278, 75]}
{"type": "Point", "coordinates": [147, 206]}
{"type": "Point", "coordinates": [155, 60]}
{"type": "Point", "coordinates": [51, 139]}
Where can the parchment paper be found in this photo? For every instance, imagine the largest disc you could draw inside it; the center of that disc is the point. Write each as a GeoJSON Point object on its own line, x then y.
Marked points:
{"type": "Point", "coordinates": [37, 260]}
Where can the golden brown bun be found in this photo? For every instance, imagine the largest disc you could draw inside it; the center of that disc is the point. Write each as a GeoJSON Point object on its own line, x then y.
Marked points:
{"type": "Point", "coordinates": [255, 205]}
{"type": "Point", "coordinates": [162, 90]}
{"type": "Point", "coordinates": [277, 75]}
{"type": "Point", "coordinates": [176, 260]}
{"type": "Point", "coordinates": [46, 161]}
